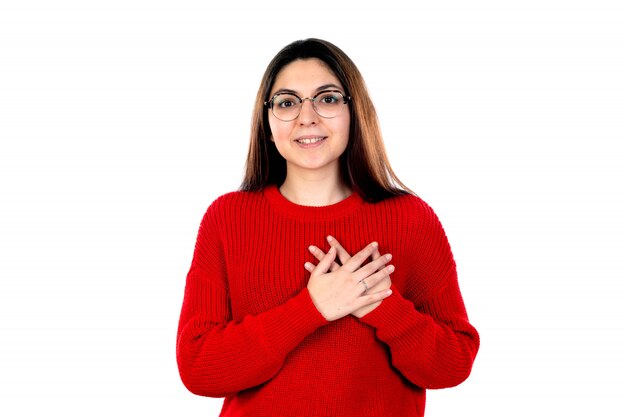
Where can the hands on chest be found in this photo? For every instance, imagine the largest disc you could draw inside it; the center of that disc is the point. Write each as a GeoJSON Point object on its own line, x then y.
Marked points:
{"type": "Point", "coordinates": [342, 284]}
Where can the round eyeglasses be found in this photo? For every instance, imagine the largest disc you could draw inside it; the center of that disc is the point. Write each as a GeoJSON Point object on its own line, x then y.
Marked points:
{"type": "Point", "coordinates": [287, 106]}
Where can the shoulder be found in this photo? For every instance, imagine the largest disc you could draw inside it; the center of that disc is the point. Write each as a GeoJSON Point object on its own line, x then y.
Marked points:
{"type": "Point", "coordinates": [234, 199]}
{"type": "Point", "coordinates": [414, 216]}
{"type": "Point", "coordinates": [407, 206]}
{"type": "Point", "coordinates": [228, 206]}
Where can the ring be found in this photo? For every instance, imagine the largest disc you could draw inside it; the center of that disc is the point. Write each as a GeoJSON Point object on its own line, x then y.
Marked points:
{"type": "Point", "coordinates": [364, 284]}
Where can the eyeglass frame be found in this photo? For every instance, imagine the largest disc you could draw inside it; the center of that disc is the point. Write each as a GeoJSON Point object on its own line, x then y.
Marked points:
{"type": "Point", "coordinates": [270, 103]}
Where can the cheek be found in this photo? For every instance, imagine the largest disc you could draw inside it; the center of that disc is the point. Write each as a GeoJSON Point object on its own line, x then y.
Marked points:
{"type": "Point", "coordinates": [280, 131]}
{"type": "Point", "coordinates": [345, 131]}
{"type": "Point", "coordinates": [272, 127]}
{"type": "Point", "coordinates": [345, 123]}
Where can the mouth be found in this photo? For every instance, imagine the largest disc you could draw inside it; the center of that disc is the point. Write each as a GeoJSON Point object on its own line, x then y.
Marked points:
{"type": "Point", "coordinates": [310, 140]}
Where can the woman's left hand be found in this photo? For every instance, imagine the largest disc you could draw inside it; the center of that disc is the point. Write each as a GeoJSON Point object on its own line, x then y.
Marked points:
{"type": "Point", "coordinates": [344, 257]}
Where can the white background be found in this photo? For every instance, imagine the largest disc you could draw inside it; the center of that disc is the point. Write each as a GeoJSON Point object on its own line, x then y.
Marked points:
{"type": "Point", "coordinates": [120, 121]}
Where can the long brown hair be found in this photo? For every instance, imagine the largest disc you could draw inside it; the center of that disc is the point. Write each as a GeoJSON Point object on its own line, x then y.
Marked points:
{"type": "Point", "coordinates": [364, 164]}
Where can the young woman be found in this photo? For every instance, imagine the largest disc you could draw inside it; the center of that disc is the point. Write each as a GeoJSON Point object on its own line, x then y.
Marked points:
{"type": "Point", "coordinates": [294, 305]}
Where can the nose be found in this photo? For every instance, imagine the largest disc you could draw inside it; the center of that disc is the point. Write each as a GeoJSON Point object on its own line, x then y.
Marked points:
{"type": "Point", "coordinates": [307, 115]}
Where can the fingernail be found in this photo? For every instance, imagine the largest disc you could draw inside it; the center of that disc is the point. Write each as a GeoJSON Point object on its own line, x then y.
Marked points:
{"type": "Point", "coordinates": [311, 248]}
{"type": "Point", "coordinates": [391, 268]}
{"type": "Point", "coordinates": [307, 266]}
{"type": "Point", "coordinates": [388, 256]}
{"type": "Point", "coordinates": [388, 292]}
{"type": "Point", "coordinates": [329, 238]}
{"type": "Point", "coordinates": [375, 244]}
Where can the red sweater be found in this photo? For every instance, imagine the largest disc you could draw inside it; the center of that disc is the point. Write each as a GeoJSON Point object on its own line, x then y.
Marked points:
{"type": "Point", "coordinates": [249, 331]}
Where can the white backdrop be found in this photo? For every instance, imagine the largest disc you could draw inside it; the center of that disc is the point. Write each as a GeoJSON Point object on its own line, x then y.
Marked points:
{"type": "Point", "coordinates": [121, 120]}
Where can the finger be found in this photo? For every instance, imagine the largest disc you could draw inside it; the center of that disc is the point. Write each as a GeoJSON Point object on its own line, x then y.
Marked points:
{"type": "Point", "coordinates": [326, 262]}
{"type": "Point", "coordinates": [362, 287]}
{"type": "Point", "coordinates": [357, 260]}
{"type": "Point", "coordinates": [371, 281]}
{"type": "Point", "coordinates": [383, 284]}
{"type": "Point", "coordinates": [371, 298]}
{"type": "Point", "coordinates": [310, 267]}
{"type": "Point", "coordinates": [319, 255]}
{"type": "Point", "coordinates": [375, 255]}
{"type": "Point", "coordinates": [370, 268]}
{"type": "Point", "coordinates": [343, 254]}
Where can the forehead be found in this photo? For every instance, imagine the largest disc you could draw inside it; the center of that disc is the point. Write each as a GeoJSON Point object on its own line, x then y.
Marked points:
{"type": "Point", "coordinates": [304, 76]}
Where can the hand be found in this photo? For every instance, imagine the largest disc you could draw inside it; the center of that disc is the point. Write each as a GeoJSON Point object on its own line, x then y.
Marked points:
{"type": "Point", "coordinates": [350, 286]}
{"type": "Point", "coordinates": [344, 257]}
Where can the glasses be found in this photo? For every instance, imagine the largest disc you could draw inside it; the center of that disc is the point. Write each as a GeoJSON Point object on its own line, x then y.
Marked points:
{"type": "Point", "coordinates": [287, 106]}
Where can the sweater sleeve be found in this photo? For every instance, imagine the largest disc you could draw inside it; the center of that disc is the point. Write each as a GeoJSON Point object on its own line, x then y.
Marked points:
{"type": "Point", "coordinates": [426, 327]}
{"type": "Point", "coordinates": [218, 356]}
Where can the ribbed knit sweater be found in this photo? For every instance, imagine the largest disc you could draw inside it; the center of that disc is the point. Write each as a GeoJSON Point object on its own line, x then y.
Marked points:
{"type": "Point", "coordinates": [250, 332]}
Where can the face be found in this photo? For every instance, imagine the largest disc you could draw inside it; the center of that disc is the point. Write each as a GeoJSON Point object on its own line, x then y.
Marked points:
{"type": "Point", "coordinates": [310, 142]}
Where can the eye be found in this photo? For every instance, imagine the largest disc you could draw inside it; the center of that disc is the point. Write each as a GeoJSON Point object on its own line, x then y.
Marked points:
{"type": "Point", "coordinates": [285, 101]}
{"type": "Point", "coordinates": [330, 97]}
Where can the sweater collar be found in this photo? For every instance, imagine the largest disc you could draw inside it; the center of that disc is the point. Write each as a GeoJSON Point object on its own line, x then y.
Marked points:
{"type": "Point", "coordinates": [280, 204]}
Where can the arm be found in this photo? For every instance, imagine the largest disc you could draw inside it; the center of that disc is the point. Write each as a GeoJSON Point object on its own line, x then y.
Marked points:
{"type": "Point", "coordinates": [427, 330]}
{"type": "Point", "coordinates": [218, 356]}
{"type": "Point", "coordinates": [432, 345]}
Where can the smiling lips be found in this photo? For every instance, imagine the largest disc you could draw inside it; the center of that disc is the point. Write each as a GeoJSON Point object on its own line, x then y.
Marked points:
{"type": "Point", "coordinates": [310, 140]}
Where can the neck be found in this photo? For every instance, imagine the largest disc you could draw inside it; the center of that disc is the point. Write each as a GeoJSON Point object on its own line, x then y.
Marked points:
{"type": "Point", "coordinates": [314, 189]}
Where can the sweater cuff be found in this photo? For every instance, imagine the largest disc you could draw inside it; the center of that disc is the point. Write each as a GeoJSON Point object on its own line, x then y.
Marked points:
{"type": "Point", "coordinates": [287, 325]}
{"type": "Point", "coordinates": [393, 310]}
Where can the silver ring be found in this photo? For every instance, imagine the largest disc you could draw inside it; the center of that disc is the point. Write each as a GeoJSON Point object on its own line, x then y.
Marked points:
{"type": "Point", "coordinates": [364, 284]}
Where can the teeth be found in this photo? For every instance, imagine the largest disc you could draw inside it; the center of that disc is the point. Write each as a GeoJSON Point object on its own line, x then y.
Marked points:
{"type": "Point", "coordinates": [308, 141]}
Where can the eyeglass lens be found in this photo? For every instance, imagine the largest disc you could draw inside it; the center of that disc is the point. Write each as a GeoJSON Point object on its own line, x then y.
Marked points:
{"type": "Point", "coordinates": [327, 104]}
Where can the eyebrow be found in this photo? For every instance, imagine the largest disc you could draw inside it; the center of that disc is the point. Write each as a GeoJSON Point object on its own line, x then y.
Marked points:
{"type": "Point", "coordinates": [318, 89]}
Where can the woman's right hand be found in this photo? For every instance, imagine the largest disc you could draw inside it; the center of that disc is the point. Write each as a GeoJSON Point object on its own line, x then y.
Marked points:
{"type": "Point", "coordinates": [344, 257]}
{"type": "Point", "coordinates": [340, 291]}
